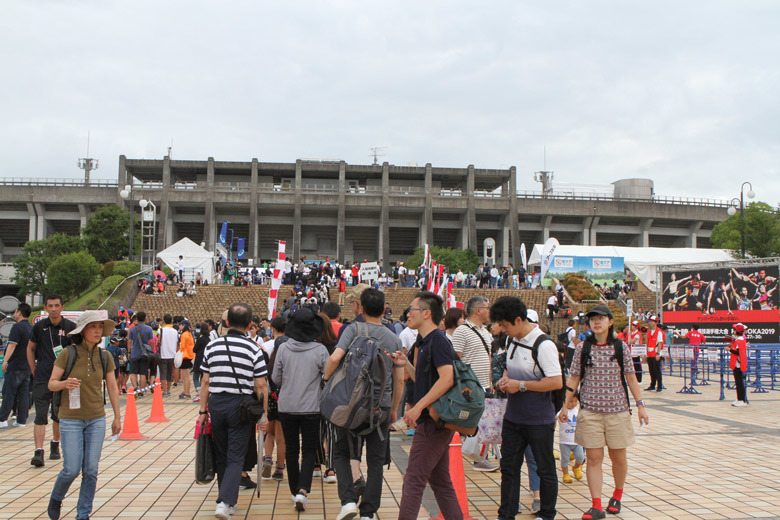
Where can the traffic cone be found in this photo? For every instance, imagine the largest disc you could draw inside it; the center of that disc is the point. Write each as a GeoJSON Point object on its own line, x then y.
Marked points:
{"type": "Point", "coordinates": [158, 410]}
{"type": "Point", "coordinates": [130, 429]}
{"type": "Point", "coordinates": [458, 478]}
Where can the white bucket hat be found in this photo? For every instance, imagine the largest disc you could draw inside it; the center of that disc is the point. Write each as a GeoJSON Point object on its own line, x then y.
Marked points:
{"type": "Point", "coordinates": [90, 317]}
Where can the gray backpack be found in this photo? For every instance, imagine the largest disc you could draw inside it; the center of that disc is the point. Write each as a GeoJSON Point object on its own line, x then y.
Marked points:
{"type": "Point", "coordinates": [352, 395]}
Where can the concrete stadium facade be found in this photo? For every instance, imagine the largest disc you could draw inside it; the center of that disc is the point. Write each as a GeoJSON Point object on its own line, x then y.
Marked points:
{"type": "Point", "coordinates": [351, 212]}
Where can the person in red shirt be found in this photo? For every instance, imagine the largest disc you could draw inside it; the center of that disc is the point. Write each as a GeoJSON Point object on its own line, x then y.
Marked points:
{"type": "Point", "coordinates": [695, 338]}
{"type": "Point", "coordinates": [355, 274]}
{"type": "Point", "coordinates": [739, 362]}
{"type": "Point", "coordinates": [636, 339]}
{"type": "Point", "coordinates": [655, 347]}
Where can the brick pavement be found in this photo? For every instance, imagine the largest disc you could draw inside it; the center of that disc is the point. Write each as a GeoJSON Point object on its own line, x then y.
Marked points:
{"type": "Point", "coordinates": [699, 458]}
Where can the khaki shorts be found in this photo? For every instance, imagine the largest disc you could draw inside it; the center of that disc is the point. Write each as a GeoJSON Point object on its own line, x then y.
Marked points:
{"type": "Point", "coordinates": [596, 430]}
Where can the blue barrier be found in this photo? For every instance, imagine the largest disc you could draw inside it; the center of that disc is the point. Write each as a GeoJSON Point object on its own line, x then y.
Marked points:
{"type": "Point", "coordinates": [711, 365]}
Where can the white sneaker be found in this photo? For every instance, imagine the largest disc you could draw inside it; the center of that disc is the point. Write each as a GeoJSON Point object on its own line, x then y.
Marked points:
{"type": "Point", "coordinates": [317, 473]}
{"type": "Point", "coordinates": [222, 512]}
{"type": "Point", "coordinates": [348, 511]}
{"type": "Point", "coordinates": [19, 425]}
{"type": "Point", "coordinates": [740, 404]}
{"type": "Point", "coordinates": [734, 402]}
{"type": "Point", "coordinates": [3, 424]}
{"type": "Point", "coordinates": [485, 466]}
{"type": "Point", "coordinates": [300, 501]}
{"type": "Point", "coordinates": [233, 510]}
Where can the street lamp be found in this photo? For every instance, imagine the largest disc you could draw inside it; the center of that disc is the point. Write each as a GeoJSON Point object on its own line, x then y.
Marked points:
{"type": "Point", "coordinates": [733, 210]}
{"type": "Point", "coordinates": [126, 193]}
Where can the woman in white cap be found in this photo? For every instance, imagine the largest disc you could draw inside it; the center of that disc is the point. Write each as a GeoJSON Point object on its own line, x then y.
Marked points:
{"type": "Point", "coordinates": [78, 374]}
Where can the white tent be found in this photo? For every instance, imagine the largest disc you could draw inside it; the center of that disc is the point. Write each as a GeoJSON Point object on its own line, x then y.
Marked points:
{"type": "Point", "coordinates": [641, 260]}
{"type": "Point", "coordinates": [196, 259]}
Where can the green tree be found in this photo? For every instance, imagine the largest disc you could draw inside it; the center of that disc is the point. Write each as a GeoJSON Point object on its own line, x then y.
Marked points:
{"type": "Point", "coordinates": [37, 255]}
{"type": "Point", "coordinates": [761, 226]}
{"type": "Point", "coordinates": [107, 234]}
{"type": "Point", "coordinates": [72, 273]}
{"type": "Point", "coordinates": [454, 259]}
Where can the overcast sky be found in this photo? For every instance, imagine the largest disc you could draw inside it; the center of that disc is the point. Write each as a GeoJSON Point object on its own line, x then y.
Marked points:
{"type": "Point", "coordinates": [684, 93]}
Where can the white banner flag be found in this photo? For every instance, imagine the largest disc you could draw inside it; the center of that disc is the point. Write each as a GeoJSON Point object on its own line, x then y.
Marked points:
{"type": "Point", "coordinates": [548, 253]}
{"type": "Point", "coordinates": [523, 256]}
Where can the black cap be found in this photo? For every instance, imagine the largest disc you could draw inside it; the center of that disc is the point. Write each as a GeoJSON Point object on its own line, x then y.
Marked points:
{"type": "Point", "coordinates": [600, 310]}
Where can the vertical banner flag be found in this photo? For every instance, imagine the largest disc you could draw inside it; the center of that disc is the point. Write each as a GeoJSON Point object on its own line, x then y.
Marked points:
{"type": "Point", "coordinates": [450, 297]}
{"type": "Point", "coordinates": [438, 278]}
{"type": "Point", "coordinates": [241, 251]}
{"type": "Point", "coordinates": [548, 253]}
{"type": "Point", "coordinates": [223, 233]}
{"type": "Point", "coordinates": [523, 256]}
{"type": "Point", "coordinates": [431, 274]}
{"type": "Point", "coordinates": [426, 258]}
{"type": "Point", "coordinates": [276, 281]}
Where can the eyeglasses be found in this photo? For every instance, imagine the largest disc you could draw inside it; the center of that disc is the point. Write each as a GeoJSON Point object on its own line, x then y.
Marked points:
{"type": "Point", "coordinates": [417, 309]}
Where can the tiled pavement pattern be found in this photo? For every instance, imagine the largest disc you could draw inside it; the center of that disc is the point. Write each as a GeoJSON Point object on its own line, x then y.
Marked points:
{"type": "Point", "coordinates": [699, 458]}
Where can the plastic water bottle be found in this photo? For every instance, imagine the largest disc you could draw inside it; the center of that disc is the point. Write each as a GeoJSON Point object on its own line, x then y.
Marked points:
{"type": "Point", "coordinates": [74, 395]}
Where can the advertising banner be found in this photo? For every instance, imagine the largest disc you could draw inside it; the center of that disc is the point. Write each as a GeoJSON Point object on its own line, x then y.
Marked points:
{"type": "Point", "coordinates": [598, 269]}
{"type": "Point", "coordinates": [715, 299]}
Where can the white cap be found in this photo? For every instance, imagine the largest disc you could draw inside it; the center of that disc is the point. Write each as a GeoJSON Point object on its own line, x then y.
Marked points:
{"type": "Point", "coordinates": [533, 316]}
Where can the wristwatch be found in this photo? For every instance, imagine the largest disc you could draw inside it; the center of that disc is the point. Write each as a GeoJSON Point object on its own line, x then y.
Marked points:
{"type": "Point", "coordinates": [640, 403]}
{"type": "Point", "coordinates": [521, 387]}
{"type": "Point", "coordinates": [202, 413]}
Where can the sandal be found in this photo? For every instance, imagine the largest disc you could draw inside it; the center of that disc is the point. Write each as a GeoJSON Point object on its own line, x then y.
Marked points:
{"type": "Point", "coordinates": [593, 513]}
{"type": "Point", "coordinates": [614, 506]}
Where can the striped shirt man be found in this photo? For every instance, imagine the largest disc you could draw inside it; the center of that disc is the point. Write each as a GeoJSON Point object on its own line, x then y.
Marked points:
{"type": "Point", "coordinates": [245, 357]}
{"type": "Point", "coordinates": [472, 343]}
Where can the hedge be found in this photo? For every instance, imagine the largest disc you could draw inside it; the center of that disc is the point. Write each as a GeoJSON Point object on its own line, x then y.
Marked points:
{"type": "Point", "coordinates": [110, 283]}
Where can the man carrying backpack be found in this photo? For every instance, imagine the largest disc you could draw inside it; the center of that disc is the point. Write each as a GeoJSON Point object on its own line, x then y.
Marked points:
{"type": "Point", "coordinates": [387, 385]}
{"type": "Point", "coordinates": [533, 371]}
{"type": "Point", "coordinates": [603, 364]}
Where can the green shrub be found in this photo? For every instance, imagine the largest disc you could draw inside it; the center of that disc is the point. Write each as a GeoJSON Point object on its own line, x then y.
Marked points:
{"type": "Point", "coordinates": [110, 283]}
{"type": "Point", "coordinates": [108, 269]}
{"type": "Point", "coordinates": [579, 288]}
{"type": "Point", "coordinates": [72, 273]}
{"type": "Point", "coordinates": [125, 268]}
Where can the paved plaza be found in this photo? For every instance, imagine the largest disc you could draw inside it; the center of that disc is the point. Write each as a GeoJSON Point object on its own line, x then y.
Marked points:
{"type": "Point", "coordinates": [699, 458]}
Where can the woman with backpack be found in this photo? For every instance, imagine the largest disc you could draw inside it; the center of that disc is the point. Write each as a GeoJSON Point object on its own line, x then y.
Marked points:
{"type": "Point", "coordinates": [603, 371]}
{"type": "Point", "coordinates": [82, 409]}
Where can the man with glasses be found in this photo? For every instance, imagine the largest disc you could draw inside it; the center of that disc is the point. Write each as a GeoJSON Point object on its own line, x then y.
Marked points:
{"type": "Point", "coordinates": [471, 342]}
{"type": "Point", "coordinates": [429, 461]}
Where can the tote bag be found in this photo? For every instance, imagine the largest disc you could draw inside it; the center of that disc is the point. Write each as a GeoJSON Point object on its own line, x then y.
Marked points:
{"type": "Point", "coordinates": [492, 421]}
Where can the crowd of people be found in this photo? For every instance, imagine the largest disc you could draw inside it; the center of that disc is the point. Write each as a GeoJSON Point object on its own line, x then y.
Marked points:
{"type": "Point", "coordinates": [288, 360]}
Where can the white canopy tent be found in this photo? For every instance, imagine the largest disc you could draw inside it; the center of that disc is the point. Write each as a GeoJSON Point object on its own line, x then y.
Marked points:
{"type": "Point", "coordinates": [641, 260]}
{"type": "Point", "coordinates": [196, 259]}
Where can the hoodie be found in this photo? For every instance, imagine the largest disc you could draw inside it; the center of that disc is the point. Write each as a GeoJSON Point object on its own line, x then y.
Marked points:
{"type": "Point", "coordinates": [298, 370]}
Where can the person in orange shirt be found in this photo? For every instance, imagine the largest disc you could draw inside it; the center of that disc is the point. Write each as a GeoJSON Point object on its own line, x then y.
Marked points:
{"type": "Point", "coordinates": [186, 346]}
{"type": "Point", "coordinates": [333, 310]}
{"type": "Point", "coordinates": [655, 348]}
{"type": "Point", "coordinates": [739, 362]}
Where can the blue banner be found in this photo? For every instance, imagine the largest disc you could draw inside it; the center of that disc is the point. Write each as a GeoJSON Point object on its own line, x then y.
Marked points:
{"type": "Point", "coordinates": [223, 233]}
{"type": "Point", "coordinates": [241, 251]}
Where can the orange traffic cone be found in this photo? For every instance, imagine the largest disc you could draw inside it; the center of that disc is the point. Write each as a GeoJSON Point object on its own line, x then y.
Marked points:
{"type": "Point", "coordinates": [158, 411]}
{"type": "Point", "coordinates": [130, 429]}
{"type": "Point", "coordinates": [458, 478]}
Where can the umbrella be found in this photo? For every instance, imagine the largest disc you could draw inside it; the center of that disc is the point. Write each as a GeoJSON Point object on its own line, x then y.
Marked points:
{"type": "Point", "coordinates": [158, 274]}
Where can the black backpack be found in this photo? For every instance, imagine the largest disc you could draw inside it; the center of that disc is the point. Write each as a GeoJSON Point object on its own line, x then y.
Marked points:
{"type": "Point", "coordinates": [73, 355]}
{"type": "Point", "coordinates": [563, 337]}
{"type": "Point", "coordinates": [585, 361]}
{"type": "Point", "coordinates": [558, 396]}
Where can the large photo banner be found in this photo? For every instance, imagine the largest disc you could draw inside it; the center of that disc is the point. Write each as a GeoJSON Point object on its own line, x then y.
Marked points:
{"type": "Point", "coordinates": [598, 269]}
{"type": "Point", "coordinates": [715, 299]}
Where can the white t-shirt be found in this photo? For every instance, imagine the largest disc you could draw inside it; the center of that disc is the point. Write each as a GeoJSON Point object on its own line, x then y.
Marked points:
{"type": "Point", "coordinates": [269, 347]}
{"type": "Point", "coordinates": [552, 300]}
{"type": "Point", "coordinates": [169, 341]}
{"type": "Point", "coordinates": [572, 334]}
{"type": "Point", "coordinates": [407, 337]}
{"type": "Point", "coordinates": [494, 273]}
{"type": "Point", "coordinates": [181, 265]}
{"type": "Point", "coordinates": [566, 434]}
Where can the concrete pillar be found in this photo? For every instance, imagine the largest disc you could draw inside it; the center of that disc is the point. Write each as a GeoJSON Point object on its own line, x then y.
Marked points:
{"type": "Point", "coordinates": [33, 230]}
{"type": "Point", "coordinates": [210, 222]}
{"type": "Point", "coordinates": [83, 214]}
{"type": "Point", "coordinates": [122, 180]}
{"type": "Point", "coordinates": [546, 223]}
{"type": "Point", "coordinates": [253, 223]}
{"type": "Point", "coordinates": [384, 218]}
{"type": "Point", "coordinates": [505, 241]}
{"type": "Point", "coordinates": [644, 232]}
{"type": "Point", "coordinates": [428, 210]}
{"type": "Point", "coordinates": [512, 222]}
{"type": "Point", "coordinates": [341, 217]}
{"type": "Point", "coordinates": [471, 215]}
{"type": "Point", "coordinates": [586, 223]}
{"type": "Point", "coordinates": [165, 210]}
{"type": "Point", "coordinates": [693, 232]}
{"type": "Point", "coordinates": [594, 228]}
{"type": "Point", "coordinates": [296, 249]}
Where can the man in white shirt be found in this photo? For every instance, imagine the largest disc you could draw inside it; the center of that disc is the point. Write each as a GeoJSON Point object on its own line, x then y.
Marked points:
{"type": "Point", "coordinates": [471, 342]}
{"type": "Point", "coordinates": [493, 276]}
{"type": "Point", "coordinates": [552, 305]}
{"type": "Point", "coordinates": [169, 344]}
{"type": "Point", "coordinates": [459, 278]}
{"type": "Point", "coordinates": [181, 268]}
{"type": "Point", "coordinates": [571, 334]}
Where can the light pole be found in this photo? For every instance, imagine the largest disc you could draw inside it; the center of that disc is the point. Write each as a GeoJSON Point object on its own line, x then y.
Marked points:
{"type": "Point", "coordinates": [126, 193]}
{"type": "Point", "coordinates": [733, 210]}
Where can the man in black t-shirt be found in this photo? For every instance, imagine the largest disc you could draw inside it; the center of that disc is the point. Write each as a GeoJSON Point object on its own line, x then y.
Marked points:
{"type": "Point", "coordinates": [429, 460]}
{"type": "Point", "coordinates": [49, 337]}
{"type": "Point", "coordinates": [16, 369]}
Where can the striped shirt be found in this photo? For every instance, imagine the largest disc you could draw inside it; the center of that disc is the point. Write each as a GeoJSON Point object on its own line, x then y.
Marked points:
{"type": "Point", "coordinates": [247, 360]}
{"type": "Point", "coordinates": [469, 341]}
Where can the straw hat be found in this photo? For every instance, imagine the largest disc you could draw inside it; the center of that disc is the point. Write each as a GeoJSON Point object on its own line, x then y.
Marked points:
{"type": "Point", "coordinates": [90, 317]}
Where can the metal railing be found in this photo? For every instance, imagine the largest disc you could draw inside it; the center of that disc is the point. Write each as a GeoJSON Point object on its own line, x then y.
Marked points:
{"type": "Point", "coordinates": [26, 181]}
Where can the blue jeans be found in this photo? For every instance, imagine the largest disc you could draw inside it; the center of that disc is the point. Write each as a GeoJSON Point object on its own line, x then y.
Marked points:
{"type": "Point", "coordinates": [82, 442]}
{"type": "Point", "coordinates": [533, 476]}
{"type": "Point", "coordinates": [17, 383]}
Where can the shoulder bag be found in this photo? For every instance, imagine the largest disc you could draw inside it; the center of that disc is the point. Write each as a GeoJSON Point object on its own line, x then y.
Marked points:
{"type": "Point", "coordinates": [251, 407]}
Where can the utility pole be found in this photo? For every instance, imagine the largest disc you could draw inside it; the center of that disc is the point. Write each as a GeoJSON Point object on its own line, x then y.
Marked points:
{"type": "Point", "coordinates": [376, 155]}
{"type": "Point", "coordinates": [88, 164]}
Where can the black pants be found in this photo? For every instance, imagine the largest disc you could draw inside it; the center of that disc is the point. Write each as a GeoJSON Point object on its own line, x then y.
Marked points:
{"type": "Point", "coordinates": [567, 357]}
{"type": "Point", "coordinates": [638, 368]}
{"type": "Point", "coordinates": [739, 381]}
{"type": "Point", "coordinates": [231, 438]}
{"type": "Point", "coordinates": [307, 426]}
{"type": "Point", "coordinates": [16, 394]}
{"type": "Point", "coordinates": [515, 439]}
{"type": "Point", "coordinates": [551, 312]}
{"type": "Point", "coordinates": [376, 451]}
{"type": "Point", "coordinates": [656, 376]}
